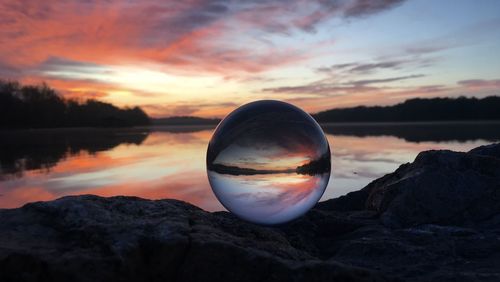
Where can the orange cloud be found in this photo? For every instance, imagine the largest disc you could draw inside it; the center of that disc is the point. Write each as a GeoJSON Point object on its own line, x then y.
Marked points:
{"type": "Point", "coordinates": [186, 34]}
{"type": "Point", "coordinates": [196, 34]}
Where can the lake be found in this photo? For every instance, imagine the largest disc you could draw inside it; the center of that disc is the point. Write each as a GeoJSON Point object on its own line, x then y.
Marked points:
{"type": "Point", "coordinates": [169, 162]}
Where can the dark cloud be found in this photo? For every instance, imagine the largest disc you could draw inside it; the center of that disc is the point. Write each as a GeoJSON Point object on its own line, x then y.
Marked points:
{"type": "Point", "coordinates": [362, 8]}
{"type": "Point", "coordinates": [8, 72]}
{"type": "Point", "coordinates": [338, 88]}
{"type": "Point", "coordinates": [172, 26]}
{"type": "Point", "coordinates": [480, 83]}
{"type": "Point", "coordinates": [382, 65]}
{"type": "Point", "coordinates": [27, 9]}
{"type": "Point", "coordinates": [58, 63]}
{"type": "Point", "coordinates": [320, 89]}
{"type": "Point", "coordinates": [365, 67]}
{"type": "Point", "coordinates": [426, 49]}
{"type": "Point", "coordinates": [327, 9]}
{"type": "Point", "coordinates": [383, 80]}
{"type": "Point", "coordinates": [337, 67]}
{"type": "Point", "coordinates": [62, 69]}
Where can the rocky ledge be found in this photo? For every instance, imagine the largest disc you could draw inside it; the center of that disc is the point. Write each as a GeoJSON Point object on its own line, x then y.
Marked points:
{"type": "Point", "coordinates": [436, 219]}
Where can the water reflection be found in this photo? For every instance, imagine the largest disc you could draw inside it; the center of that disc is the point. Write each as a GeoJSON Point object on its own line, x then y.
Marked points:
{"type": "Point", "coordinates": [166, 162]}
{"type": "Point", "coordinates": [269, 198]}
{"type": "Point", "coordinates": [420, 131]}
{"type": "Point", "coordinates": [163, 165]}
{"type": "Point", "coordinates": [23, 150]}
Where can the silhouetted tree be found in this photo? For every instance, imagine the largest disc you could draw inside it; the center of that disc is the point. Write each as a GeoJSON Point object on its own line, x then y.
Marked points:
{"type": "Point", "coordinates": [436, 109]}
{"type": "Point", "coordinates": [318, 166]}
{"type": "Point", "coordinates": [40, 106]}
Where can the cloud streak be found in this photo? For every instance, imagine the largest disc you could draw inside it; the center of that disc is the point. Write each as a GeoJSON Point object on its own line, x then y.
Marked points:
{"type": "Point", "coordinates": [195, 34]}
{"type": "Point", "coordinates": [322, 88]}
{"type": "Point", "coordinates": [480, 83]}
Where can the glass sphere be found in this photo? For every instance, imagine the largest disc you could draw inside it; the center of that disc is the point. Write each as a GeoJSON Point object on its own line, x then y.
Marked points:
{"type": "Point", "coordinates": [268, 162]}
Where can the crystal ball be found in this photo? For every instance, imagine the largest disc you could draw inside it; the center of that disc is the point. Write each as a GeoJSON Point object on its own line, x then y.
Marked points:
{"type": "Point", "coordinates": [268, 162]}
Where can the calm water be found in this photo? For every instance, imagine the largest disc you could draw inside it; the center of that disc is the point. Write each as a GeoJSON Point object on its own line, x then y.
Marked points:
{"type": "Point", "coordinates": [169, 162]}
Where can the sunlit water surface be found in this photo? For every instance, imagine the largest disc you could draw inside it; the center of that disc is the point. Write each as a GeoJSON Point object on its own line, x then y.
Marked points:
{"type": "Point", "coordinates": [169, 162]}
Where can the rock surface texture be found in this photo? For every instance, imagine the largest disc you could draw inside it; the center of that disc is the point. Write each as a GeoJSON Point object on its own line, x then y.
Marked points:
{"type": "Point", "coordinates": [436, 219]}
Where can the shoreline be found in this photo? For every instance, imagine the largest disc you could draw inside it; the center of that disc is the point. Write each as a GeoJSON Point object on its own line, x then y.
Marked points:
{"type": "Point", "coordinates": [354, 124]}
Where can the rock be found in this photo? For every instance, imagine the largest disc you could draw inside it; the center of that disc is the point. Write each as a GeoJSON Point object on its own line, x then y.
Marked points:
{"type": "Point", "coordinates": [436, 219]}
{"type": "Point", "coordinates": [89, 238]}
{"type": "Point", "coordinates": [492, 150]}
{"type": "Point", "coordinates": [440, 187]}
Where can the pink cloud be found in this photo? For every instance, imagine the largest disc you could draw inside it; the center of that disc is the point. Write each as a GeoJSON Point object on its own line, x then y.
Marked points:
{"type": "Point", "coordinates": [198, 34]}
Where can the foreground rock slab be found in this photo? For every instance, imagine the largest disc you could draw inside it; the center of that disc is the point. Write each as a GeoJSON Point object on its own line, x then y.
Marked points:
{"type": "Point", "coordinates": [436, 219]}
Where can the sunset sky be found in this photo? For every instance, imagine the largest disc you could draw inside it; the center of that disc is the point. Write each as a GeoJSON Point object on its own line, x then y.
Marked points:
{"type": "Point", "coordinates": [204, 58]}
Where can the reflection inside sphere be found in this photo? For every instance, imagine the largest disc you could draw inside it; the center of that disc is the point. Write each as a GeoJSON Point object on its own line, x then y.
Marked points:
{"type": "Point", "coordinates": [268, 162]}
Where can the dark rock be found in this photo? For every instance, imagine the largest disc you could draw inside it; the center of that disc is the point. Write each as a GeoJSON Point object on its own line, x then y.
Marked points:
{"type": "Point", "coordinates": [492, 150]}
{"type": "Point", "coordinates": [441, 187]}
{"type": "Point", "coordinates": [89, 238]}
{"type": "Point", "coordinates": [436, 219]}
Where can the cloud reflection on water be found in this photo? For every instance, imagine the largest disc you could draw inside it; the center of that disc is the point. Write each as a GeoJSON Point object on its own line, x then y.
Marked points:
{"type": "Point", "coordinates": [170, 164]}
{"type": "Point", "coordinates": [274, 198]}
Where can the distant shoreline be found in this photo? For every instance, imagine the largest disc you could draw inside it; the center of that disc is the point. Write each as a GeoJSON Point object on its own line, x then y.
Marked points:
{"type": "Point", "coordinates": [29, 107]}
{"type": "Point", "coordinates": [348, 123]}
{"type": "Point", "coordinates": [375, 123]}
{"type": "Point", "coordinates": [209, 126]}
{"type": "Point", "coordinates": [438, 131]}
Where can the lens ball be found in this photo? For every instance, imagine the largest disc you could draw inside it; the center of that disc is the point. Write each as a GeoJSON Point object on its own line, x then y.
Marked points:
{"type": "Point", "coordinates": [268, 162]}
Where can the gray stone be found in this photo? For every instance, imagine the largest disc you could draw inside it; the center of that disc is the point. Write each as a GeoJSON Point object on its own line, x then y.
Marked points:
{"type": "Point", "coordinates": [440, 187]}
{"type": "Point", "coordinates": [89, 238]}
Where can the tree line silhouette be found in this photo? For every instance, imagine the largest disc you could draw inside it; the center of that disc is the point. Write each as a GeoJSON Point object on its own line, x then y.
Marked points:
{"type": "Point", "coordinates": [318, 166]}
{"type": "Point", "coordinates": [39, 106]}
{"type": "Point", "coordinates": [313, 167]}
{"type": "Point", "coordinates": [435, 109]}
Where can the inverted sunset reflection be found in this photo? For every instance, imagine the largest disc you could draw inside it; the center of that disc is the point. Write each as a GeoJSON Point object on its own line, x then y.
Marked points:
{"type": "Point", "coordinates": [273, 198]}
{"type": "Point", "coordinates": [162, 165]}
{"type": "Point", "coordinates": [268, 162]}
